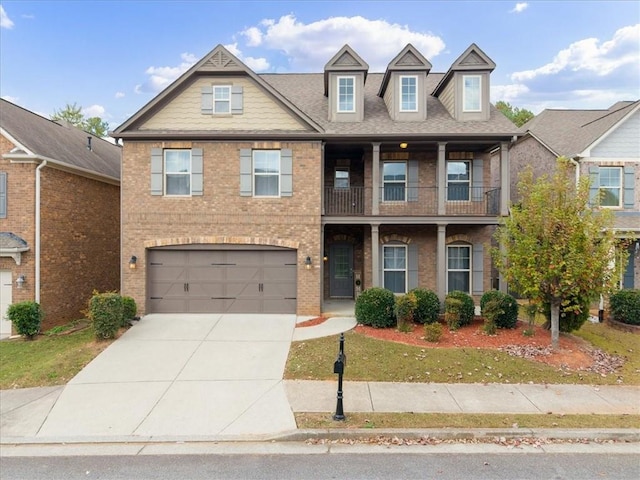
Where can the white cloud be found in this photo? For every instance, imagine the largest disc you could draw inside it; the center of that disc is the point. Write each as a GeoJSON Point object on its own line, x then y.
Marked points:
{"type": "Point", "coordinates": [94, 111]}
{"type": "Point", "coordinates": [9, 98]}
{"type": "Point", "coordinates": [5, 21]}
{"type": "Point", "coordinates": [119, 95]}
{"type": "Point", "coordinates": [508, 93]}
{"type": "Point", "coordinates": [309, 46]}
{"type": "Point", "coordinates": [255, 64]}
{"type": "Point", "coordinates": [161, 77]}
{"type": "Point", "coordinates": [589, 55]}
{"type": "Point", "coordinates": [519, 8]}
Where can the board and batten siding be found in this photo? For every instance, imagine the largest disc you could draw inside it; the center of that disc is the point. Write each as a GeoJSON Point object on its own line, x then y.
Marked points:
{"type": "Point", "coordinates": [623, 142]}
{"type": "Point", "coordinates": [260, 111]}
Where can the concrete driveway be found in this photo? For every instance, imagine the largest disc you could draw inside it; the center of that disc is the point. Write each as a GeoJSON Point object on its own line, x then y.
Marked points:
{"type": "Point", "coordinates": [182, 375]}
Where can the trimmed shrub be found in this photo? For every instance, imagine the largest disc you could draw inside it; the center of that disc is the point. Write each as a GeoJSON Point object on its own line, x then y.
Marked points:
{"type": "Point", "coordinates": [375, 307]}
{"type": "Point", "coordinates": [452, 308]}
{"type": "Point", "coordinates": [466, 310]}
{"type": "Point", "coordinates": [404, 310]}
{"type": "Point", "coordinates": [625, 306]}
{"type": "Point", "coordinates": [433, 332]}
{"type": "Point", "coordinates": [492, 310]}
{"type": "Point", "coordinates": [129, 310]}
{"type": "Point", "coordinates": [105, 312]}
{"type": "Point", "coordinates": [508, 318]}
{"type": "Point", "coordinates": [26, 318]}
{"type": "Point", "coordinates": [428, 306]}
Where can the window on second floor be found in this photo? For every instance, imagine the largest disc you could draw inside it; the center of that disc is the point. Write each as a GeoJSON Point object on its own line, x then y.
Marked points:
{"type": "Point", "coordinates": [458, 180]}
{"type": "Point", "coordinates": [472, 93]}
{"type": "Point", "coordinates": [394, 181]}
{"type": "Point", "coordinates": [395, 268]}
{"type": "Point", "coordinates": [610, 186]}
{"type": "Point", "coordinates": [408, 94]}
{"type": "Point", "coordinates": [266, 173]}
{"type": "Point", "coordinates": [346, 94]}
{"type": "Point", "coordinates": [3, 195]}
{"type": "Point", "coordinates": [177, 171]}
{"type": "Point", "coordinates": [221, 99]}
{"type": "Point", "coordinates": [341, 179]}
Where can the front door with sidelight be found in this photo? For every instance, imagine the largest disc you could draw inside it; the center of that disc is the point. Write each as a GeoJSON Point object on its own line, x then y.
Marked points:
{"type": "Point", "coordinates": [341, 270]}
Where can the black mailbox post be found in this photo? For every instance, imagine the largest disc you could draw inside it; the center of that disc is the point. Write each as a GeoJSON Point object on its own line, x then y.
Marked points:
{"type": "Point", "coordinates": [338, 367]}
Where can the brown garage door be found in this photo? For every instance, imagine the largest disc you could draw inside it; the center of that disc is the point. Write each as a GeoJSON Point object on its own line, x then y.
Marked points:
{"type": "Point", "coordinates": [222, 281]}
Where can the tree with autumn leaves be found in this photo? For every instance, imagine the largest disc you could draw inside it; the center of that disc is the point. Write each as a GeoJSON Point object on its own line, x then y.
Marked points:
{"type": "Point", "coordinates": [556, 246]}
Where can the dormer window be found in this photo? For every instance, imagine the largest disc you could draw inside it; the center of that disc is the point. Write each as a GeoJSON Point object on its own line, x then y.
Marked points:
{"type": "Point", "coordinates": [346, 94]}
{"type": "Point", "coordinates": [221, 99]}
{"type": "Point", "coordinates": [409, 93]}
{"type": "Point", "coordinates": [471, 93]}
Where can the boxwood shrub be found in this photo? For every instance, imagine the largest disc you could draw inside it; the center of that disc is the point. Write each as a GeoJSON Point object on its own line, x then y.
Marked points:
{"type": "Point", "coordinates": [26, 318]}
{"type": "Point", "coordinates": [106, 313]}
{"type": "Point", "coordinates": [467, 309]}
{"type": "Point", "coordinates": [404, 311]}
{"type": "Point", "coordinates": [507, 305]}
{"type": "Point", "coordinates": [625, 306]}
{"type": "Point", "coordinates": [129, 310]}
{"type": "Point", "coordinates": [428, 306]}
{"type": "Point", "coordinates": [375, 307]}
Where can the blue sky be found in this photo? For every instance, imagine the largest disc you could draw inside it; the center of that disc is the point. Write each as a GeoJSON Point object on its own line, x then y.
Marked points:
{"type": "Point", "coordinates": [112, 57]}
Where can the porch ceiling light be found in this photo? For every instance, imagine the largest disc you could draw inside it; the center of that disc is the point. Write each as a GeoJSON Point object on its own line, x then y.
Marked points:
{"type": "Point", "coordinates": [404, 145]}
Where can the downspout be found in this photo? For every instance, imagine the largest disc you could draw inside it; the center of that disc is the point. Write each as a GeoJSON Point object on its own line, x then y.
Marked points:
{"type": "Point", "coordinates": [37, 286]}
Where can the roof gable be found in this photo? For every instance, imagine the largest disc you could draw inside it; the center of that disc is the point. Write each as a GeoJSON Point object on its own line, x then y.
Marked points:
{"type": "Point", "coordinates": [346, 60]}
{"type": "Point", "coordinates": [408, 60]}
{"type": "Point", "coordinates": [472, 59]}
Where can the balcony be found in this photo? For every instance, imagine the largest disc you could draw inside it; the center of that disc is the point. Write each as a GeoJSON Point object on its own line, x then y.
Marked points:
{"type": "Point", "coordinates": [412, 201]}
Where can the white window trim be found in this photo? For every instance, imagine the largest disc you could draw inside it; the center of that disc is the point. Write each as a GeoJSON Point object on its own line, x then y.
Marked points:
{"type": "Point", "coordinates": [254, 174]}
{"type": "Point", "coordinates": [417, 96]}
{"type": "Point", "coordinates": [464, 94]}
{"type": "Point", "coordinates": [342, 169]}
{"type": "Point", "coordinates": [469, 270]}
{"type": "Point", "coordinates": [460, 182]}
{"type": "Point", "coordinates": [396, 182]}
{"type": "Point", "coordinates": [228, 88]}
{"type": "Point", "coordinates": [165, 172]}
{"type": "Point", "coordinates": [620, 186]}
{"type": "Point", "coordinates": [353, 79]}
{"type": "Point", "coordinates": [405, 269]}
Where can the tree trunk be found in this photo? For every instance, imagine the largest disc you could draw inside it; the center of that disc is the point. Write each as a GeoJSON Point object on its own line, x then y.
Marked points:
{"type": "Point", "coordinates": [555, 324]}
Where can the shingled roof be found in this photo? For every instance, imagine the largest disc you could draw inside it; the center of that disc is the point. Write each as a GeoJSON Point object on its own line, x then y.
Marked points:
{"type": "Point", "coordinates": [570, 132]}
{"type": "Point", "coordinates": [60, 142]}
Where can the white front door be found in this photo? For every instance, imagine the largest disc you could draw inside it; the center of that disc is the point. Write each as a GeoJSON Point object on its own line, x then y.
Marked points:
{"type": "Point", "coordinates": [5, 301]}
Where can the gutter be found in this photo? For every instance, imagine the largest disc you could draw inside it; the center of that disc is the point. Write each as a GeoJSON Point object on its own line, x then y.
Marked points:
{"type": "Point", "coordinates": [37, 221]}
{"type": "Point", "coordinates": [576, 164]}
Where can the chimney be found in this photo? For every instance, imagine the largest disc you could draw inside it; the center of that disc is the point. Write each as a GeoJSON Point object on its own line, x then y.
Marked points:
{"type": "Point", "coordinates": [89, 143]}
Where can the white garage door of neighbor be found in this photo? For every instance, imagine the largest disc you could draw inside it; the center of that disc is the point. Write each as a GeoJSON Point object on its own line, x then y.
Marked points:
{"type": "Point", "coordinates": [221, 281]}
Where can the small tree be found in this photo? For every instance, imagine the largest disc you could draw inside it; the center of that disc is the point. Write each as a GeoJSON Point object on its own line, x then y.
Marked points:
{"type": "Point", "coordinates": [555, 248]}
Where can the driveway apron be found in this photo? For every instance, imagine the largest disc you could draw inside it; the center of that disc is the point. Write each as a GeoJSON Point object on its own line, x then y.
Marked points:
{"type": "Point", "coordinates": [175, 375]}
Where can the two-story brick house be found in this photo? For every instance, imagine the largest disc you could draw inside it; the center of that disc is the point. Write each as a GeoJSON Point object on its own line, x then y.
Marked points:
{"type": "Point", "coordinates": [245, 192]}
{"type": "Point", "coordinates": [603, 144]}
{"type": "Point", "coordinates": [59, 215]}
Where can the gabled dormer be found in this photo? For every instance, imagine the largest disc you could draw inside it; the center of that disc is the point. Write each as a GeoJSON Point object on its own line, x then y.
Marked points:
{"type": "Point", "coordinates": [344, 77]}
{"type": "Point", "coordinates": [464, 90]}
{"type": "Point", "coordinates": [403, 86]}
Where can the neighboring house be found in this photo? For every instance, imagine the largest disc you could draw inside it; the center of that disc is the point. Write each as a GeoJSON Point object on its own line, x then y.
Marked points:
{"type": "Point", "coordinates": [59, 215]}
{"type": "Point", "coordinates": [604, 144]}
{"type": "Point", "coordinates": [245, 192]}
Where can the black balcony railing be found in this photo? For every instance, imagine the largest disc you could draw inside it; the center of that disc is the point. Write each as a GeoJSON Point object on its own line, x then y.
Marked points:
{"type": "Point", "coordinates": [412, 201]}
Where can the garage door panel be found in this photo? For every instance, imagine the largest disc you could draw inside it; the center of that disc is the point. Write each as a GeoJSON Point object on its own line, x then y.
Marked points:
{"type": "Point", "coordinates": [235, 281]}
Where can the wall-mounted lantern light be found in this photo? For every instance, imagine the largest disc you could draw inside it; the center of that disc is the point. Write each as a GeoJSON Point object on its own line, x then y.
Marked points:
{"type": "Point", "coordinates": [20, 281]}
{"type": "Point", "coordinates": [307, 263]}
{"type": "Point", "coordinates": [133, 262]}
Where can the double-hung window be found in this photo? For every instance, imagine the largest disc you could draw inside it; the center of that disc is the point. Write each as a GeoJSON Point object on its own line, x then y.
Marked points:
{"type": "Point", "coordinates": [610, 186]}
{"type": "Point", "coordinates": [394, 181]}
{"type": "Point", "coordinates": [341, 180]}
{"type": "Point", "coordinates": [471, 93]}
{"type": "Point", "coordinates": [346, 94]}
{"type": "Point", "coordinates": [221, 99]}
{"type": "Point", "coordinates": [408, 94]}
{"type": "Point", "coordinates": [266, 173]}
{"type": "Point", "coordinates": [459, 268]}
{"type": "Point", "coordinates": [395, 268]}
{"type": "Point", "coordinates": [458, 180]}
{"type": "Point", "coordinates": [177, 171]}
{"type": "Point", "coordinates": [3, 195]}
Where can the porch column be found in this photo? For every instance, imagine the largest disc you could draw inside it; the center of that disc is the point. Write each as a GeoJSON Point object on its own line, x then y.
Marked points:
{"type": "Point", "coordinates": [375, 255]}
{"type": "Point", "coordinates": [322, 263]}
{"type": "Point", "coordinates": [505, 184]}
{"type": "Point", "coordinates": [442, 178]}
{"type": "Point", "coordinates": [375, 180]}
{"type": "Point", "coordinates": [441, 262]}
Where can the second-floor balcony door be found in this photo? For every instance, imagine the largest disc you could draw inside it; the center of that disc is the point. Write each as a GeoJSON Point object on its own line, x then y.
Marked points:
{"type": "Point", "coordinates": [341, 270]}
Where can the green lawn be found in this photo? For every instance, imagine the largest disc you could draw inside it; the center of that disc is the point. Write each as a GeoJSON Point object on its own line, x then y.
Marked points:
{"type": "Point", "coordinates": [370, 359]}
